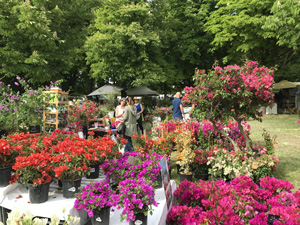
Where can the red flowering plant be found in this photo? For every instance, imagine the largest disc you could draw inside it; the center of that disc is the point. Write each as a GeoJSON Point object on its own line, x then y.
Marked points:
{"type": "Point", "coordinates": [142, 144]}
{"type": "Point", "coordinates": [26, 143]}
{"type": "Point", "coordinates": [8, 153]}
{"type": "Point", "coordinates": [34, 169]}
{"type": "Point", "coordinates": [68, 160]}
{"type": "Point", "coordinates": [231, 92]}
{"type": "Point", "coordinates": [200, 162]}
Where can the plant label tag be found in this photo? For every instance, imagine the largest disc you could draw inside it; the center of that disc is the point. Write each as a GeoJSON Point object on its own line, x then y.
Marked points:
{"type": "Point", "coordinates": [138, 222]}
{"type": "Point", "coordinates": [92, 170]}
{"type": "Point", "coordinates": [72, 189]}
{"type": "Point", "coordinates": [98, 219]}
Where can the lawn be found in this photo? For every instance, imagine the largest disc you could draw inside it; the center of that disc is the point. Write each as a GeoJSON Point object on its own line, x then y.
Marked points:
{"type": "Point", "coordinates": [287, 130]}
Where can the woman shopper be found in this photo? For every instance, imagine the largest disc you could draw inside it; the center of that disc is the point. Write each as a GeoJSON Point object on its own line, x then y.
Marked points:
{"type": "Point", "coordinates": [129, 119]}
{"type": "Point", "coordinates": [120, 109]}
{"type": "Point", "coordinates": [139, 111]}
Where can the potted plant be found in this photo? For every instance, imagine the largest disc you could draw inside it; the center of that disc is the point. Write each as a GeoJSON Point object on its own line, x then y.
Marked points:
{"type": "Point", "coordinates": [8, 156]}
{"type": "Point", "coordinates": [184, 154]}
{"type": "Point", "coordinates": [136, 200]}
{"type": "Point", "coordinates": [69, 166]}
{"type": "Point", "coordinates": [97, 199]}
{"type": "Point", "coordinates": [200, 164]}
{"type": "Point", "coordinates": [35, 171]}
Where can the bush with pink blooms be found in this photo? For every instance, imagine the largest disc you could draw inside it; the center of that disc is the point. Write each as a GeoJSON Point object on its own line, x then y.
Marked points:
{"type": "Point", "coordinates": [231, 92]}
{"type": "Point", "coordinates": [239, 202]}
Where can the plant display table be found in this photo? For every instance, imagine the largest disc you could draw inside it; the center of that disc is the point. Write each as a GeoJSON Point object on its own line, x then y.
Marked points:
{"type": "Point", "coordinates": [16, 196]}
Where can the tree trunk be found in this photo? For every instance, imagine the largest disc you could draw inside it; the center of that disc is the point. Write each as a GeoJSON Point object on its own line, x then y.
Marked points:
{"type": "Point", "coordinates": [241, 128]}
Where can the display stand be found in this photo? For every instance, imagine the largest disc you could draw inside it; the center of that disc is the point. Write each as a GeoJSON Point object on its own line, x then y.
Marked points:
{"type": "Point", "coordinates": [60, 100]}
{"type": "Point", "coordinates": [16, 196]}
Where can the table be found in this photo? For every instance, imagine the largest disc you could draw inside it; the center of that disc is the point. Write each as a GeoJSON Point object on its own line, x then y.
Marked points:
{"type": "Point", "coordinates": [56, 203]}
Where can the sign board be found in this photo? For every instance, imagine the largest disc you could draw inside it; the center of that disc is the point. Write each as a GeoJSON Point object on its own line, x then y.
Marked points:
{"type": "Point", "coordinates": [166, 181]}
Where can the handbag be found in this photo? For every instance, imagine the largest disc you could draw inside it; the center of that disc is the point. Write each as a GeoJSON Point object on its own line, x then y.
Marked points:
{"type": "Point", "coordinates": [121, 128]}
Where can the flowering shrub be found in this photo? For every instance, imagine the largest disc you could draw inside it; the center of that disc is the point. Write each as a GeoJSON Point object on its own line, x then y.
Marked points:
{"type": "Point", "coordinates": [95, 197]}
{"type": "Point", "coordinates": [146, 167]}
{"type": "Point", "coordinates": [35, 169]}
{"type": "Point", "coordinates": [232, 92]}
{"type": "Point", "coordinates": [239, 202]}
{"type": "Point", "coordinates": [163, 112]}
{"type": "Point", "coordinates": [23, 108]}
{"type": "Point", "coordinates": [8, 153]}
{"type": "Point", "coordinates": [136, 196]}
{"type": "Point", "coordinates": [79, 116]}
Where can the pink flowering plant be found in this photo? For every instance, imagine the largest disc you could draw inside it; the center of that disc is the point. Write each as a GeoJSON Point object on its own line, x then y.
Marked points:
{"type": "Point", "coordinates": [163, 112]}
{"type": "Point", "coordinates": [96, 196]}
{"type": "Point", "coordinates": [239, 202]}
{"type": "Point", "coordinates": [136, 196]}
{"type": "Point", "coordinates": [145, 167]}
{"type": "Point", "coordinates": [232, 92]}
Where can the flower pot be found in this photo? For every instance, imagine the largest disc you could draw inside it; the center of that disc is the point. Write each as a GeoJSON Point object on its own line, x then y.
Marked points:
{"type": "Point", "coordinates": [140, 219]}
{"type": "Point", "coordinates": [38, 194]}
{"type": "Point", "coordinates": [70, 188]}
{"type": "Point", "coordinates": [188, 177]}
{"type": "Point", "coordinates": [5, 174]}
{"type": "Point", "coordinates": [272, 219]}
{"type": "Point", "coordinates": [35, 129]}
{"type": "Point", "coordinates": [201, 176]}
{"type": "Point", "coordinates": [94, 172]}
{"type": "Point", "coordinates": [178, 168]}
{"type": "Point", "coordinates": [101, 217]}
{"type": "Point", "coordinates": [159, 181]}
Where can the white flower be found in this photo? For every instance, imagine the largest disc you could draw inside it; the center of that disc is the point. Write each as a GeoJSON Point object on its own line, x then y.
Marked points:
{"type": "Point", "coordinates": [227, 170]}
{"type": "Point", "coordinates": [76, 220]}
{"type": "Point", "coordinates": [15, 215]}
{"type": "Point", "coordinates": [54, 220]}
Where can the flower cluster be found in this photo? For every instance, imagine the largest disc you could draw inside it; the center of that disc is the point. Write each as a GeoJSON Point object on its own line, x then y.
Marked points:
{"type": "Point", "coordinates": [163, 112]}
{"type": "Point", "coordinates": [95, 197]}
{"type": "Point", "coordinates": [136, 196]}
{"type": "Point", "coordinates": [239, 202]}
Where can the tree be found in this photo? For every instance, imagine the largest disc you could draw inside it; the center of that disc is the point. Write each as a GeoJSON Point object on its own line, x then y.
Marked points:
{"type": "Point", "coordinates": [237, 30]}
{"type": "Point", "coordinates": [124, 45]}
{"type": "Point", "coordinates": [43, 40]}
{"type": "Point", "coordinates": [231, 92]}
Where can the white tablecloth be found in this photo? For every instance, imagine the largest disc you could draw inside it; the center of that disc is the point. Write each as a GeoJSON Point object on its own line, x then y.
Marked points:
{"type": "Point", "coordinates": [16, 196]}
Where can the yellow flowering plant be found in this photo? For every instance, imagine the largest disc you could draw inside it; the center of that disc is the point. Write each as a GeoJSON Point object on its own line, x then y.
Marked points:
{"type": "Point", "coordinates": [184, 154]}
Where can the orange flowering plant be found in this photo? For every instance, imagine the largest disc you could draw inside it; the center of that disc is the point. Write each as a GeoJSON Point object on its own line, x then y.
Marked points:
{"type": "Point", "coordinates": [184, 154]}
{"type": "Point", "coordinates": [35, 169]}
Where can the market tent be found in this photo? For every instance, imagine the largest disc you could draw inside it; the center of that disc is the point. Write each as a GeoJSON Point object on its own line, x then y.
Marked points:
{"type": "Point", "coordinates": [141, 91]}
{"type": "Point", "coordinates": [106, 90]}
{"type": "Point", "coordinates": [285, 84]}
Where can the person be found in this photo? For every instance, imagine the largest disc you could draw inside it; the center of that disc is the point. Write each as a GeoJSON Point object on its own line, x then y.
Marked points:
{"type": "Point", "coordinates": [140, 110]}
{"type": "Point", "coordinates": [178, 113]}
{"type": "Point", "coordinates": [120, 109]}
{"type": "Point", "coordinates": [129, 119]}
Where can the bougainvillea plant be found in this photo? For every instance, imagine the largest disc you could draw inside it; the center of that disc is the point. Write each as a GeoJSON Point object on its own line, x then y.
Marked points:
{"type": "Point", "coordinates": [232, 92]}
{"type": "Point", "coordinates": [96, 197]}
{"type": "Point", "coordinates": [136, 196]}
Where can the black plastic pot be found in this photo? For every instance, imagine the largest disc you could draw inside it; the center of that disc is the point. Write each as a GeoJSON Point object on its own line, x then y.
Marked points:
{"type": "Point", "coordinates": [70, 188]}
{"type": "Point", "coordinates": [5, 174]}
{"type": "Point", "coordinates": [94, 172]}
{"type": "Point", "coordinates": [201, 176]}
{"type": "Point", "coordinates": [140, 219]}
{"type": "Point", "coordinates": [272, 219]}
{"type": "Point", "coordinates": [188, 177]}
{"type": "Point", "coordinates": [35, 129]}
{"type": "Point", "coordinates": [101, 217]}
{"type": "Point", "coordinates": [178, 168]}
{"type": "Point", "coordinates": [38, 194]}
{"type": "Point", "coordinates": [159, 181]}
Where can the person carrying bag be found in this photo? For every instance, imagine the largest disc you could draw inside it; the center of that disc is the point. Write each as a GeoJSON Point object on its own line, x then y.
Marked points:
{"type": "Point", "coordinates": [129, 119]}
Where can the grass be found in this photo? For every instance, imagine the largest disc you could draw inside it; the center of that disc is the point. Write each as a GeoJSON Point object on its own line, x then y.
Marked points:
{"type": "Point", "coordinates": [287, 130]}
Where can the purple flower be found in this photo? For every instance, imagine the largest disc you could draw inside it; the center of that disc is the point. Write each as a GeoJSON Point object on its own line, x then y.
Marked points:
{"type": "Point", "coordinates": [18, 78]}
{"type": "Point", "coordinates": [8, 85]}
